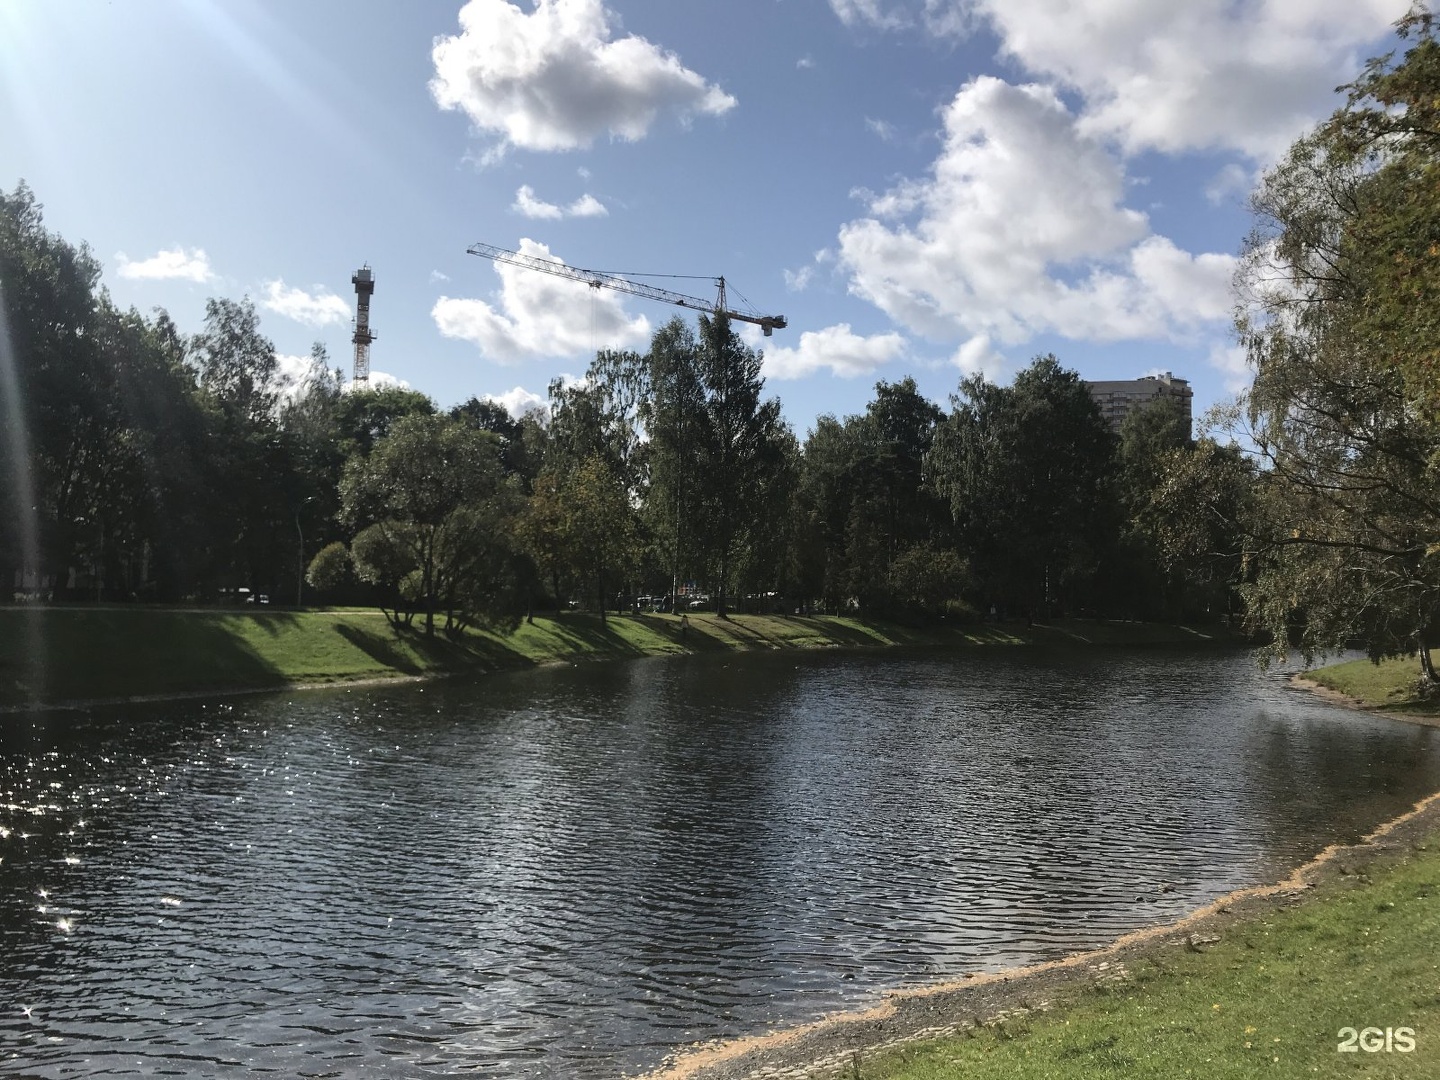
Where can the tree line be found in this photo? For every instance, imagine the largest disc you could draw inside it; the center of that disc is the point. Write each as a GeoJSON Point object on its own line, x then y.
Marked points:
{"type": "Point", "coordinates": [175, 468]}
{"type": "Point", "coordinates": [180, 468]}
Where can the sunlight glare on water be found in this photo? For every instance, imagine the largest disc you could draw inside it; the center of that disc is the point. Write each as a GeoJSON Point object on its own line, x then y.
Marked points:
{"type": "Point", "coordinates": [574, 872]}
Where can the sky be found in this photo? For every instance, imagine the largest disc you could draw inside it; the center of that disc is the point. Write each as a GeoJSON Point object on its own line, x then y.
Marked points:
{"type": "Point", "coordinates": [921, 187]}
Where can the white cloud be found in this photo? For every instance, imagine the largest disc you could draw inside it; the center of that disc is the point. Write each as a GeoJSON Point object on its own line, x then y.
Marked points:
{"type": "Point", "coordinates": [519, 401]}
{"type": "Point", "coordinates": [977, 356]}
{"type": "Point", "coordinates": [837, 348]}
{"type": "Point", "coordinates": [437, 276]}
{"type": "Point", "coordinates": [1021, 229]}
{"type": "Point", "coordinates": [379, 380]}
{"type": "Point", "coordinates": [319, 308]}
{"type": "Point", "coordinates": [587, 206]}
{"type": "Point", "coordinates": [798, 280]}
{"type": "Point", "coordinates": [1231, 182]}
{"type": "Point", "coordinates": [1248, 75]}
{"type": "Point", "coordinates": [882, 128]}
{"type": "Point", "coordinates": [1230, 361]}
{"type": "Point", "coordinates": [529, 205]}
{"type": "Point", "coordinates": [172, 264]}
{"type": "Point", "coordinates": [540, 315]}
{"type": "Point", "coordinates": [805, 63]}
{"type": "Point", "coordinates": [554, 78]}
{"type": "Point", "coordinates": [874, 13]}
{"type": "Point", "coordinates": [939, 18]}
{"type": "Point", "coordinates": [291, 373]}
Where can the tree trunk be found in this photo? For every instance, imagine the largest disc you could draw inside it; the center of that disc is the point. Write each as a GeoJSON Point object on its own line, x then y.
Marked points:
{"type": "Point", "coordinates": [600, 585]}
{"type": "Point", "coordinates": [724, 578]}
{"type": "Point", "coordinates": [1427, 669]}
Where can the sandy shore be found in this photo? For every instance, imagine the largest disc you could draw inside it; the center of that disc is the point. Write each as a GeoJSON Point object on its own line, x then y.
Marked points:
{"type": "Point", "coordinates": [1335, 697]}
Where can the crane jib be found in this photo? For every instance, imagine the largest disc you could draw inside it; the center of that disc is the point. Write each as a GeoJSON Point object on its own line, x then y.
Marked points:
{"type": "Point", "coordinates": [599, 280]}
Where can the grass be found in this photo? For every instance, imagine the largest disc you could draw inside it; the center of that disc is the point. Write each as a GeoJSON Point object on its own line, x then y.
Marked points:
{"type": "Point", "coordinates": [1392, 685]}
{"type": "Point", "coordinates": [97, 653]}
{"type": "Point", "coordinates": [1269, 999]}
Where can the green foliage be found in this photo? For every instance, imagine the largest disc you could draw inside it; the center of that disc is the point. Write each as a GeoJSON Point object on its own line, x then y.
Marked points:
{"type": "Point", "coordinates": [331, 568]}
{"type": "Point", "coordinates": [1267, 999]}
{"type": "Point", "coordinates": [1029, 473]}
{"type": "Point", "coordinates": [235, 361]}
{"type": "Point", "coordinates": [863, 499]}
{"type": "Point", "coordinates": [740, 456]}
{"type": "Point", "coordinates": [928, 579]}
{"type": "Point", "coordinates": [364, 417]}
{"type": "Point", "coordinates": [435, 504]}
{"type": "Point", "coordinates": [180, 469]}
{"type": "Point", "coordinates": [1339, 280]}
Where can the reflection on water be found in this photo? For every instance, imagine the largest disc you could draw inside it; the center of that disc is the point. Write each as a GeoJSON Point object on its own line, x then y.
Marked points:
{"type": "Point", "coordinates": [574, 871]}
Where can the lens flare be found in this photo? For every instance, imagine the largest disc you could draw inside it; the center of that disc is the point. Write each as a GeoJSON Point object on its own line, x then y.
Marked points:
{"type": "Point", "coordinates": [16, 447]}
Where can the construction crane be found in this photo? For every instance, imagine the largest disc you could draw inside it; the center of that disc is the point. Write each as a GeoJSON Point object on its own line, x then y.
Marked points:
{"type": "Point", "coordinates": [598, 279]}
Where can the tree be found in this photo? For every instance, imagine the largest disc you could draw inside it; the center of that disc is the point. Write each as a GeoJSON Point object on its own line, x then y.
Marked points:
{"type": "Point", "coordinates": [1338, 320]}
{"type": "Point", "coordinates": [1137, 575]}
{"type": "Point", "coordinates": [1028, 471]}
{"type": "Point", "coordinates": [740, 441]}
{"type": "Point", "coordinates": [115, 436]}
{"type": "Point", "coordinates": [1194, 518]}
{"type": "Point", "coordinates": [236, 363]}
{"type": "Point", "coordinates": [671, 411]}
{"type": "Point", "coordinates": [331, 567]}
{"type": "Point", "coordinates": [925, 578]}
{"type": "Point", "coordinates": [436, 495]}
{"type": "Point", "coordinates": [366, 416]}
{"type": "Point", "coordinates": [1389, 134]}
{"type": "Point", "coordinates": [599, 523]}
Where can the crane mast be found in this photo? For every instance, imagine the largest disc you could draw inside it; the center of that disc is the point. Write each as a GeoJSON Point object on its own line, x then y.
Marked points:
{"type": "Point", "coordinates": [598, 279]}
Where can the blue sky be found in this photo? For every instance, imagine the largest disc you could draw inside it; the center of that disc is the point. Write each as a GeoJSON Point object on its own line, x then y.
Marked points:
{"type": "Point", "coordinates": [923, 187]}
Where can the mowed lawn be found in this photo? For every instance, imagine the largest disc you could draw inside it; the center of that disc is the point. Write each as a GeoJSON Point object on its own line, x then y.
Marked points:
{"type": "Point", "coordinates": [64, 654]}
{"type": "Point", "coordinates": [1393, 685]}
{"type": "Point", "coordinates": [1270, 999]}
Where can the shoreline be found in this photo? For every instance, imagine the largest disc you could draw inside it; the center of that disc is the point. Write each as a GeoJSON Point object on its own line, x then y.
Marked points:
{"type": "Point", "coordinates": [834, 1044]}
{"type": "Point", "coordinates": [118, 656]}
{"type": "Point", "coordinates": [1337, 697]}
{"type": "Point", "coordinates": [828, 1046]}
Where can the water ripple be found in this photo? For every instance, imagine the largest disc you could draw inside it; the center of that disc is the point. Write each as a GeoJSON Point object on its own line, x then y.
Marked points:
{"type": "Point", "coordinates": [574, 871]}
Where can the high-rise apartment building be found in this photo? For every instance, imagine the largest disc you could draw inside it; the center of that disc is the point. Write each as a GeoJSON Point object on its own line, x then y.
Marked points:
{"type": "Point", "coordinates": [1117, 397]}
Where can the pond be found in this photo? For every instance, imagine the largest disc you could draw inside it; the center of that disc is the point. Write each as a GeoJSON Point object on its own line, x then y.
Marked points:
{"type": "Point", "coordinates": [575, 871]}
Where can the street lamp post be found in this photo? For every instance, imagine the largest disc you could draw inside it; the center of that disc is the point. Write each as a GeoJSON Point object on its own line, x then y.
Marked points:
{"type": "Point", "coordinates": [300, 556]}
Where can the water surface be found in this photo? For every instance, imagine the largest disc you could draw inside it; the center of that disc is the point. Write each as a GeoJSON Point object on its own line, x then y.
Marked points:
{"type": "Point", "coordinates": [574, 871]}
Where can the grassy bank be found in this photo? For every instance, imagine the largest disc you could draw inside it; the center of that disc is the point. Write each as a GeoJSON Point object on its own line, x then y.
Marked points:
{"type": "Point", "coordinates": [115, 652]}
{"type": "Point", "coordinates": [1391, 685]}
{"type": "Point", "coordinates": [1268, 999]}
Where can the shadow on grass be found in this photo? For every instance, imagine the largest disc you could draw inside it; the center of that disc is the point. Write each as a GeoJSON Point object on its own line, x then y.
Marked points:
{"type": "Point", "coordinates": [271, 622]}
{"type": "Point", "coordinates": [109, 653]}
{"type": "Point", "coordinates": [584, 634]}
{"type": "Point", "coordinates": [409, 651]}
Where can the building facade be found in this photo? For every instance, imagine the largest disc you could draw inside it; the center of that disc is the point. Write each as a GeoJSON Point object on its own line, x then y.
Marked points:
{"type": "Point", "coordinates": [1117, 397]}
